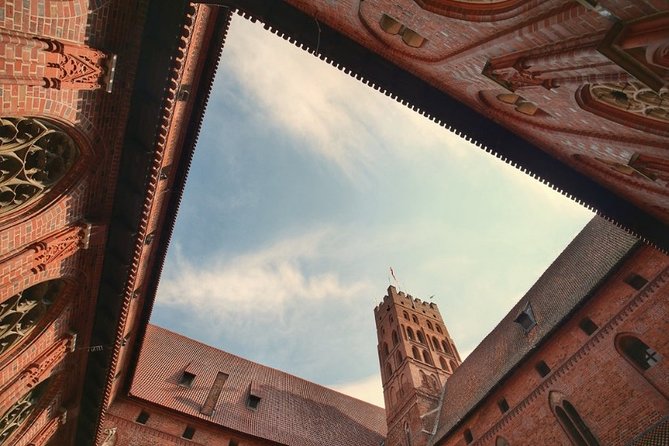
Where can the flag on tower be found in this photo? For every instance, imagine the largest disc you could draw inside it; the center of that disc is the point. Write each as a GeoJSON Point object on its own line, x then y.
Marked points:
{"type": "Point", "coordinates": [392, 273]}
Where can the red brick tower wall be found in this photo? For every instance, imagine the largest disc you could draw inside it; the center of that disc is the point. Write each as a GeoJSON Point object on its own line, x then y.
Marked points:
{"type": "Point", "coordinates": [417, 355]}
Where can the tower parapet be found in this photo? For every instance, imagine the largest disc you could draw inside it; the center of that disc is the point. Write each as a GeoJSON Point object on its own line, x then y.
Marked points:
{"type": "Point", "coordinates": [417, 356]}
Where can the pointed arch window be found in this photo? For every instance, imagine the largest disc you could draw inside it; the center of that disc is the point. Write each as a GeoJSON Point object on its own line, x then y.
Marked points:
{"type": "Point", "coordinates": [16, 416]}
{"type": "Point", "coordinates": [385, 350]}
{"type": "Point", "coordinates": [446, 347]}
{"type": "Point", "coordinates": [414, 318]}
{"type": "Point", "coordinates": [435, 342]}
{"type": "Point", "coordinates": [426, 357]}
{"type": "Point", "coordinates": [22, 312]}
{"type": "Point", "coordinates": [442, 363]}
{"type": "Point", "coordinates": [410, 334]}
{"type": "Point", "coordinates": [438, 328]}
{"type": "Point", "coordinates": [453, 365]}
{"type": "Point", "coordinates": [637, 352]}
{"type": "Point", "coordinates": [571, 421]}
{"type": "Point", "coordinates": [398, 358]}
{"type": "Point", "coordinates": [421, 338]}
{"type": "Point", "coordinates": [35, 154]}
{"type": "Point", "coordinates": [389, 369]}
{"type": "Point", "coordinates": [429, 325]}
{"type": "Point", "coordinates": [395, 338]}
{"type": "Point", "coordinates": [416, 353]}
{"type": "Point", "coordinates": [406, 315]}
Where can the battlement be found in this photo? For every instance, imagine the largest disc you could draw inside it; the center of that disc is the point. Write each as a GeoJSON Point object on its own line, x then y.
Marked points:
{"type": "Point", "coordinates": [400, 297]}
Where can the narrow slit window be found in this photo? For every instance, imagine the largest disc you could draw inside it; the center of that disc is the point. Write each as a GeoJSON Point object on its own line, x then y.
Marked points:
{"type": "Point", "coordinates": [636, 281]}
{"type": "Point", "coordinates": [542, 368]}
{"type": "Point", "coordinates": [143, 417]}
{"type": "Point", "coordinates": [588, 326]}
{"type": "Point", "coordinates": [189, 432]}
{"type": "Point", "coordinates": [468, 436]}
{"type": "Point", "coordinates": [503, 405]}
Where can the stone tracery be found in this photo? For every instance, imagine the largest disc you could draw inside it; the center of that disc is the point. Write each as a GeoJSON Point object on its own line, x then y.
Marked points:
{"type": "Point", "coordinates": [34, 156]}
{"type": "Point", "coordinates": [20, 412]}
{"type": "Point", "coordinates": [21, 313]}
{"type": "Point", "coordinates": [634, 97]}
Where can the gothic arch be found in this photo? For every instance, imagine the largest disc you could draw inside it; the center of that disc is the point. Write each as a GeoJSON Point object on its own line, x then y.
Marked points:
{"type": "Point", "coordinates": [25, 315]}
{"type": "Point", "coordinates": [631, 104]}
{"type": "Point", "coordinates": [570, 420]}
{"type": "Point", "coordinates": [40, 158]}
{"type": "Point", "coordinates": [636, 351]}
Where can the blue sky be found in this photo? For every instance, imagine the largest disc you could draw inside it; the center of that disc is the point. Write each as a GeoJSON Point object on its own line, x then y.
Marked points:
{"type": "Point", "coordinates": [307, 186]}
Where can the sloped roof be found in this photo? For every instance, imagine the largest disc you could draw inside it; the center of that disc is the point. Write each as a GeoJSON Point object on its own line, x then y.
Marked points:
{"type": "Point", "coordinates": [577, 272]}
{"type": "Point", "coordinates": [292, 411]}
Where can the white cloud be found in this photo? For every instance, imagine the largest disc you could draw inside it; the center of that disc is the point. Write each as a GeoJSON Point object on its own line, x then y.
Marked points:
{"type": "Point", "coordinates": [260, 283]}
{"type": "Point", "coordinates": [318, 104]}
{"type": "Point", "coordinates": [367, 389]}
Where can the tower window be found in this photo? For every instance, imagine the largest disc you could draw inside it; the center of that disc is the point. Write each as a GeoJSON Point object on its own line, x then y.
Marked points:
{"type": "Point", "coordinates": [398, 358]}
{"type": "Point", "coordinates": [526, 318]}
{"type": "Point", "coordinates": [542, 368]}
{"type": "Point", "coordinates": [447, 349]}
{"type": "Point", "coordinates": [436, 344]}
{"type": "Point", "coordinates": [414, 318]}
{"type": "Point", "coordinates": [416, 354]}
{"type": "Point", "coordinates": [188, 433]}
{"type": "Point", "coordinates": [142, 418]}
{"type": "Point", "coordinates": [636, 281]}
{"type": "Point", "coordinates": [421, 338]}
{"type": "Point", "coordinates": [468, 436]}
{"type": "Point", "coordinates": [426, 357]}
{"type": "Point", "coordinates": [429, 325]}
{"type": "Point", "coordinates": [395, 338]}
{"type": "Point", "coordinates": [637, 352]}
{"type": "Point", "coordinates": [186, 379]}
{"type": "Point", "coordinates": [587, 326]}
{"type": "Point", "coordinates": [503, 405]}
{"type": "Point", "coordinates": [443, 364]}
{"type": "Point", "coordinates": [406, 315]}
{"type": "Point", "coordinates": [410, 334]}
{"type": "Point", "coordinates": [438, 328]}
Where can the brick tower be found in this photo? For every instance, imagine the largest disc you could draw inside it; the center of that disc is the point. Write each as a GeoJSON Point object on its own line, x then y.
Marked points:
{"type": "Point", "coordinates": [417, 356]}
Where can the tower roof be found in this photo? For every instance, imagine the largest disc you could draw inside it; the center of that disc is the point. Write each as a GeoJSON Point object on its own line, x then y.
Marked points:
{"type": "Point", "coordinates": [291, 410]}
{"type": "Point", "coordinates": [577, 272]}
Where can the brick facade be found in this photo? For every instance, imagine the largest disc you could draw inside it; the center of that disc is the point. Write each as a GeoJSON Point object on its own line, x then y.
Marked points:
{"type": "Point", "coordinates": [101, 230]}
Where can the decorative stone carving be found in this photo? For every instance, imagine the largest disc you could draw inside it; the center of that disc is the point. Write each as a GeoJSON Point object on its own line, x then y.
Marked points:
{"type": "Point", "coordinates": [34, 156]}
{"type": "Point", "coordinates": [109, 437]}
{"type": "Point", "coordinates": [22, 312]}
{"type": "Point", "coordinates": [15, 417]}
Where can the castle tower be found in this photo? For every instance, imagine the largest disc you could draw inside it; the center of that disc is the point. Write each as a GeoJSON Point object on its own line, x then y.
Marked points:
{"type": "Point", "coordinates": [417, 356]}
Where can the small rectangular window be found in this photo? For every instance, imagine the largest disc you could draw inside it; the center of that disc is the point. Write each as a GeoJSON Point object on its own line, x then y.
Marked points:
{"type": "Point", "coordinates": [186, 379]}
{"type": "Point", "coordinates": [542, 368]}
{"type": "Point", "coordinates": [587, 326]}
{"type": "Point", "coordinates": [503, 405]}
{"type": "Point", "coordinates": [188, 433]}
{"type": "Point", "coordinates": [142, 418]}
{"type": "Point", "coordinates": [526, 318]}
{"type": "Point", "coordinates": [636, 281]}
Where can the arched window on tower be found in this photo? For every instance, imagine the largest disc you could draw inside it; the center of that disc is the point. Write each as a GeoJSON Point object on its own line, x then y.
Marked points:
{"type": "Point", "coordinates": [429, 325]}
{"type": "Point", "coordinates": [435, 342]}
{"type": "Point", "coordinates": [395, 338]}
{"type": "Point", "coordinates": [406, 315]}
{"type": "Point", "coordinates": [389, 370]}
{"type": "Point", "coordinates": [421, 338]}
{"type": "Point", "coordinates": [35, 154]}
{"type": "Point", "coordinates": [453, 365]}
{"type": "Point", "coordinates": [385, 350]}
{"type": "Point", "coordinates": [570, 420]}
{"type": "Point", "coordinates": [398, 358]}
{"type": "Point", "coordinates": [414, 318]}
{"type": "Point", "coordinates": [426, 357]}
{"type": "Point", "coordinates": [416, 353]}
{"type": "Point", "coordinates": [446, 347]}
{"type": "Point", "coordinates": [442, 363]}
{"type": "Point", "coordinates": [21, 313]}
{"type": "Point", "coordinates": [637, 352]}
{"type": "Point", "coordinates": [410, 334]}
{"type": "Point", "coordinates": [438, 328]}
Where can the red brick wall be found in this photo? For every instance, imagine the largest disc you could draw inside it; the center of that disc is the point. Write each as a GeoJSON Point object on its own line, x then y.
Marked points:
{"type": "Point", "coordinates": [615, 400]}
{"type": "Point", "coordinates": [165, 428]}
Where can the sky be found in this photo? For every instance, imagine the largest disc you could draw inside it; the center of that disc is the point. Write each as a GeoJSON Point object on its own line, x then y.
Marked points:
{"type": "Point", "coordinates": [307, 186]}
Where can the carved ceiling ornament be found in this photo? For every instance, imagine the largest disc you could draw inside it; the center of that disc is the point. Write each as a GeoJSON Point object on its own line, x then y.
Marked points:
{"type": "Point", "coordinates": [628, 103]}
{"type": "Point", "coordinates": [16, 416]}
{"type": "Point", "coordinates": [477, 10]}
{"type": "Point", "coordinates": [34, 156]}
